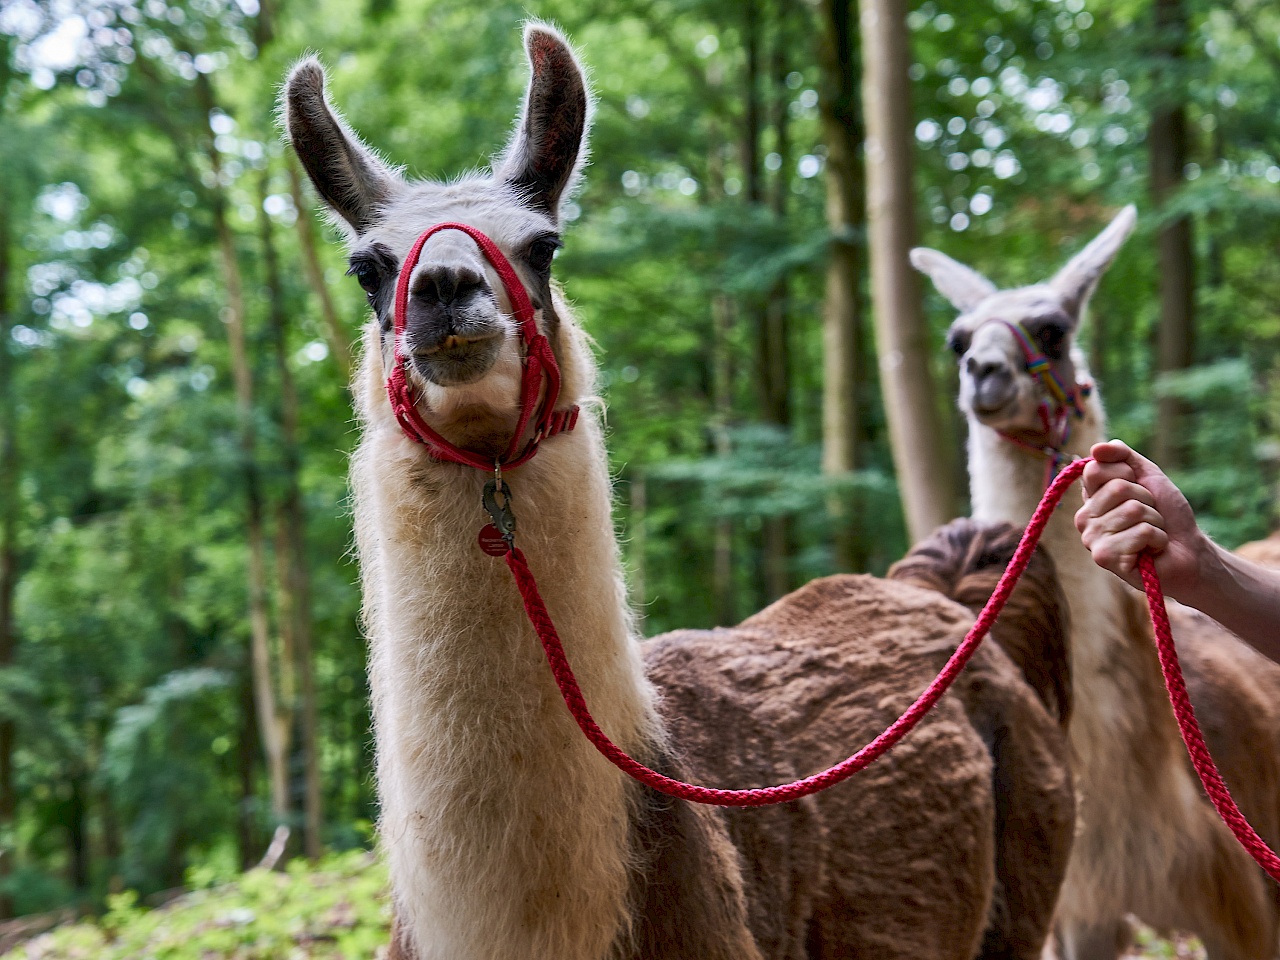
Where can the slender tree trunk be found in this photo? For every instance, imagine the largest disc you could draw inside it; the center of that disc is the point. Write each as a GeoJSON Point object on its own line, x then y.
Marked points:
{"type": "Point", "coordinates": [78, 834]}
{"type": "Point", "coordinates": [1167, 143]}
{"type": "Point", "coordinates": [773, 350]}
{"type": "Point", "coordinates": [295, 580]}
{"type": "Point", "coordinates": [339, 342]}
{"type": "Point", "coordinates": [922, 456]}
{"type": "Point", "coordinates": [723, 606]}
{"type": "Point", "coordinates": [9, 466]}
{"type": "Point", "coordinates": [248, 844]}
{"type": "Point", "coordinates": [722, 321]}
{"type": "Point", "coordinates": [638, 490]}
{"type": "Point", "coordinates": [274, 723]}
{"type": "Point", "coordinates": [842, 306]}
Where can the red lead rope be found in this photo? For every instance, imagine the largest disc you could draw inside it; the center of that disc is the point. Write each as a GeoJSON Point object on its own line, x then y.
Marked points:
{"type": "Point", "coordinates": [540, 369]}
{"type": "Point", "coordinates": [762, 796]}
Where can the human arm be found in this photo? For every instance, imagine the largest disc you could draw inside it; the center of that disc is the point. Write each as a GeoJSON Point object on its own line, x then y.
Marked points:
{"type": "Point", "coordinates": [1131, 506]}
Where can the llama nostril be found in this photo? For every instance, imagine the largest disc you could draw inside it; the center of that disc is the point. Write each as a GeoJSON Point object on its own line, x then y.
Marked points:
{"type": "Point", "coordinates": [982, 370]}
{"type": "Point", "coordinates": [445, 285]}
{"type": "Point", "coordinates": [992, 384]}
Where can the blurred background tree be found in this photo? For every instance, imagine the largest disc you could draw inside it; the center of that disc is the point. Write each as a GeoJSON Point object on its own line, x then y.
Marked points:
{"type": "Point", "coordinates": [181, 665]}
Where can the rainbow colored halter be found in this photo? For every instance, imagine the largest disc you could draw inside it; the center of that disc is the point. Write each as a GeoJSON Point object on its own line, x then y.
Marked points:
{"type": "Point", "coordinates": [1057, 410]}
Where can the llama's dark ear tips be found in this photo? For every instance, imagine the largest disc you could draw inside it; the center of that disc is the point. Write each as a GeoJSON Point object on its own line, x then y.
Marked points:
{"type": "Point", "coordinates": [306, 80]}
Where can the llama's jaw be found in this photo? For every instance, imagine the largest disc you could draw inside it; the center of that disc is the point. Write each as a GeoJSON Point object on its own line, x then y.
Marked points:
{"type": "Point", "coordinates": [1009, 406]}
{"type": "Point", "coordinates": [457, 359]}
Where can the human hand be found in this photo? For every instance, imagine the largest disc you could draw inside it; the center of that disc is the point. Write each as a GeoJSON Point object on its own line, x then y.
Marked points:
{"type": "Point", "coordinates": [1131, 506]}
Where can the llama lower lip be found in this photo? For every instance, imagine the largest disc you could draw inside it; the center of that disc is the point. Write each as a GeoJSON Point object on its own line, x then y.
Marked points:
{"type": "Point", "coordinates": [465, 361]}
{"type": "Point", "coordinates": [452, 344]}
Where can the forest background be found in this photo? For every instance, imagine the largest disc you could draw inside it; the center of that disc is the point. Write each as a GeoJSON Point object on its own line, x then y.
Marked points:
{"type": "Point", "coordinates": [181, 665]}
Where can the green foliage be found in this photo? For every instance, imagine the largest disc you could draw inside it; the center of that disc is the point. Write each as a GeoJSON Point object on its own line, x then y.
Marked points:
{"type": "Point", "coordinates": [336, 909]}
{"type": "Point", "coordinates": [137, 759]}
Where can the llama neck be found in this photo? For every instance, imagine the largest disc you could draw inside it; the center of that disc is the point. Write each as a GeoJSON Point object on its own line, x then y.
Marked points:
{"type": "Point", "coordinates": [1007, 484]}
{"type": "Point", "coordinates": [1115, 674]}
{"type": "Point", "coordinates": [506, 834]}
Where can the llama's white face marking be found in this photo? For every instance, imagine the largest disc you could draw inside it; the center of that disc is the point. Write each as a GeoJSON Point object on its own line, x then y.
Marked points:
{"type": "Point", "coordinates": [461, 343]}
{"type": "Point", "coordinates": [995, 387]}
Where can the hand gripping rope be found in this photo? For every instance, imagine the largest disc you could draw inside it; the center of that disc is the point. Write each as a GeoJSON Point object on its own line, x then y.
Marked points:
{"type": "Point", "coordinates": [499, 539]}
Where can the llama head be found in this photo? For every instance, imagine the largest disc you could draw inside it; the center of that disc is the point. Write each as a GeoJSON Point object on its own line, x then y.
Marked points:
{"type": "Point", "coordinates": [995, 387]}
{"type": "Point", "coordinates": [461, 343]}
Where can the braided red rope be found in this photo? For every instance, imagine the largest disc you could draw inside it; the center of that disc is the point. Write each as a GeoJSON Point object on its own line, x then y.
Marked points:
{"type": "Point", "coordinates": [1190, 729]}
{"type": "Point", "coordinates": [572, 693]}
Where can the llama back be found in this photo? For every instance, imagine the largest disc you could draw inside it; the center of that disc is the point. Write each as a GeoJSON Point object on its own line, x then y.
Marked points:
{"type": "Point", "coordinates": [964, 561]}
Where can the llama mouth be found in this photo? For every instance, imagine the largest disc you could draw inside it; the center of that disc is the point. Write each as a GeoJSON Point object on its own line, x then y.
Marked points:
{"type": "Point", "coordinates": [456, 360]}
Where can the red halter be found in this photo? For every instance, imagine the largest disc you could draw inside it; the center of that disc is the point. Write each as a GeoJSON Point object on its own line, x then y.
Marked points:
{"type": "Point", "coordinates": [539, 364]}
{"type": "Point", "coordinates": [1057, 410]}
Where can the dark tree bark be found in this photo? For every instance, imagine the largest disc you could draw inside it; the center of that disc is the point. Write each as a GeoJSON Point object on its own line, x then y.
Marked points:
{"type": "Point", "coordinates": [842, 305]}
{"type": "Point", "coordinates": [922, 454]}
{"type": "Point", "coordinates": [295, 578]}
{"type": "Point", "coordinates": [773, 349]}
{"type": "Point", "coordinates": [78, 834]}
{"type": "Point", "coordinates": [1167, 145]}
{"type": "Point", "coordinates": [248, 842]}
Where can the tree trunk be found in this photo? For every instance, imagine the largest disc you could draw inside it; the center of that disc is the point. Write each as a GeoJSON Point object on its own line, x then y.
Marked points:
{"type": "Point", "coordinates": [295, 579]}
{"type": "Point", "coordinates": [339, 342]}
{"type": "Point", "coordinates": [722, 319]}
{"type": "Point", "coordinates": [1167, 143]}
{"type": "Point", "coordinates": [637, 488]}
{"type": "Point", "coordinates": [273, 720]}
{"type": "Point", "coordinates": [78, 834]}
{"type": "Point", "coordinates": [248, 846]}
{"type": "Point", "coordinates": [841, 308]}
{"type": "Point", "coordinates": [9, 465]}
{"type": "Point", "coordinates": [773, 349]}
{"type": "Point", "coordinates": [921, 454]}
{"type": "Point", "coordinates": [722, 594]}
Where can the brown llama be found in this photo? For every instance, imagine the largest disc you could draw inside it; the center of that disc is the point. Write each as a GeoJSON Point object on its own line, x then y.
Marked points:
{"type": "Point", "coordinates": [1265, 551]}
{"type": "Point", "coordinates": [507, 836]}
{"type": "Point", "coordinates": [964, 561]}
{"type": "Point", "coordinates": [1149, 843]}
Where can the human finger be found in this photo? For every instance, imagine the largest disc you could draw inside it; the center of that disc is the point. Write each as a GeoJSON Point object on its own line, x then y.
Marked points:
{"type": "Point", "coordinates": [1099, 473]}
{"type": "Point", "coordinates": [1114, 493]}
{"type": "Point", "coordinates": [1112, 451]}
{"type": "Point", "coordinates": [1119, 551]}
{"type": "Point", "coordinates": [1127, 515]}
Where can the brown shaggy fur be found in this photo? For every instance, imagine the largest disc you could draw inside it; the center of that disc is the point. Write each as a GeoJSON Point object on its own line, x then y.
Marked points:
{"type": "Point", "coordinates": [964, 560]}
{"type": "Point", "coordinates": [1031, 770]}
{"type": "Point", "coordinates": [771, 700]}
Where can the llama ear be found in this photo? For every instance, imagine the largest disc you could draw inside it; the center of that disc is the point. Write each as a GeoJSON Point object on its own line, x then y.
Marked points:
{"type": "Point", "coordinates": [963, 286]}
{"type": "Point", "coordinates": [544, 158]}
{"type": "Point", "coordinates": [351, 179]}
{"type": "Point", "coordinates": [1076, 281]}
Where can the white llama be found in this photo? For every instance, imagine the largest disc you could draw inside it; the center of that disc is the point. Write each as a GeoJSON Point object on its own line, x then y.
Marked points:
{"type": "Point", "coordinates": [507, 836]}
{"type": "Point", "coordinates": [1149, 842]}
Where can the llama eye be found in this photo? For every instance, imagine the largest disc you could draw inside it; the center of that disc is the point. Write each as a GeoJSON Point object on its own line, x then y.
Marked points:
{"type": "Point", "coordinates": [366, 275]}
{"type": "Point", "coordinates": [541, 252]}
{"type": "Point", "coordinates": [1052, 338]}
{"type": "Point", "coordinates": [958, 342]}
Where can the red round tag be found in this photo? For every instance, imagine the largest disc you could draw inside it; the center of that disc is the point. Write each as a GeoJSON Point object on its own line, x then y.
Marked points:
{"type": "Point", "coordinates": [491, 541]}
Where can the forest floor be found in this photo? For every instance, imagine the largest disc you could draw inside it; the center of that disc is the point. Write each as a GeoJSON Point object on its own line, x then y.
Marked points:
{"type": "Point", "coordinates": [336, 910]}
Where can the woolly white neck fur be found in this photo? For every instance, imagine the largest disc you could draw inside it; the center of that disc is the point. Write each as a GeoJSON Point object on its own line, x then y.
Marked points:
{"type": "Point", "coordinates": [506, 833]}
